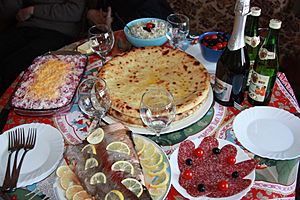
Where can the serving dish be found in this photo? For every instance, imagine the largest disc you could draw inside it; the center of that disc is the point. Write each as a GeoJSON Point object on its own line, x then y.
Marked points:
{"type": "Point", "coordinates": [48, 85]}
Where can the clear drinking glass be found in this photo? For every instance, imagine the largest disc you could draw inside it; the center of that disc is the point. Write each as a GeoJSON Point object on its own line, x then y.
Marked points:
{"type": "Point", "coordinates": [178, 29]}
{"type": "Point", "coordinates": [157, 110]}
{"type": "Point", "coordinates": [101, 40]}
{"type": "Point", "coordinates": [93, 98]}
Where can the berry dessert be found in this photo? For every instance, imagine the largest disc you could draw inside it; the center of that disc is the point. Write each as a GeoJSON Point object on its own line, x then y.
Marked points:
{"type": "Point", "coordinates": [208, 170]}
{"type": "Point", "coordinates": [216, 41]}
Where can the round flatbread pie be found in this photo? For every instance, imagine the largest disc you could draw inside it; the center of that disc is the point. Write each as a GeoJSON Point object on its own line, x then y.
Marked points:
{"type": "Point", "coordinates": [129, 75]}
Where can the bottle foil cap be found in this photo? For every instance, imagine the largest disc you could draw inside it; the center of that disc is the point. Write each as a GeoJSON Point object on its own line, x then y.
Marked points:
{"type": "Point", "coordinates": [275, 24]}
{"type": "Point", "coordinates": [255, 11]}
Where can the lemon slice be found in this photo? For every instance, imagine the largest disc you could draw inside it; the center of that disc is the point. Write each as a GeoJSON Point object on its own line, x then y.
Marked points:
{"type": "Point", "coordinates": [140, 145]}
{"type": "Point", "coordinates": [96, 136]}
{"type": "Point", "coordinates": [161, 168]}
{"type": "Point", "coordinates": [160, 181]}
{"type": "Point", "coordinates": [82, 195]}
{"type": "Point", "coordinates": [72, 190]}
{"type": "Point", "coordinates": [62, 170]}
{"type": "Point", "coordinates": [123, 166]}
{"type": "Point", "coordinates": [68, 180]}
{"type": "Point", "coordinates": [133, 185]}
{"type": "Point", "coordinates": [148, 153]}
{"type": "Point", "coordinates": [153, 162]}
{"type": "Point", "coordinates": [89, 148]}
{"type": "Point", "coordinates": [157, 192]}
{"type": "Point", "coordinates": [99, 177]}
{"type": "Point", "coordinates": [119, 147]}
{"type": "Point", "coordinates": [90, 163]}
{"type": "Point", "coordinates": [114, 195]}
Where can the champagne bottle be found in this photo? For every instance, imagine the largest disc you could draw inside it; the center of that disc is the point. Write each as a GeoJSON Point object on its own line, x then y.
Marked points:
{"type": "Point", "coordinates": [265, 67]}
{"type": "Point", "coordinates": [233, 64]}
{"type": "Point", "coordinates": [252, 38]}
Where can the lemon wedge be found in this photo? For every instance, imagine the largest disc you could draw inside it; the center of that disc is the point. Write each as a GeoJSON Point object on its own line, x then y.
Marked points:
{"type": "Point", "coordinates": [91, 163]}
{"type": "Point", "coordinates": [68, 180]}
{"type": "Point", "coordinates": [140, 145]}
{"type": "Point", "coordinates": [161, 168]}
{"type": "Point", "coordinates": [148, 153]}
{"type": "Point", "coordinates": [160, 181]}
{"type": "Point", "coordinates": [99, 177]}
{"type": "Point", "coordinates": [157, 192]}
{"type": "Point", "coordinates": [62, 170]}
{"type": "Point", "coordinates": [123, 166]}
{"type": "Point", "coordinates": [82, 195]}
{"type": "Point", "coordinates": [114, 195]}
{"type": "Point", "coordinates": [133, 185]}
{"type": "Point", "coordinates": [89, 148]}
{"type": "Point", "coordinates": [156, 160]}
{"type": "Point", "coordinates": [96, 136]}
{"type": "Point", "coordinates": [119, 147]}
{"type": "Point", "coordinates": [72, 190]}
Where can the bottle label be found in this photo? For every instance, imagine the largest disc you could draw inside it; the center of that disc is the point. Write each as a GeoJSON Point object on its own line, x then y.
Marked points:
{"type": "Point", "coordinates": [252, 41]}
{"type": "Point", "coordinates": [250, 71]}
{"type": "Point", "coordinates": [222, 90]}
{"type": "Point", "coordinates": [258, 86]}
{"type": "Point", "coordinates": [264, 54]}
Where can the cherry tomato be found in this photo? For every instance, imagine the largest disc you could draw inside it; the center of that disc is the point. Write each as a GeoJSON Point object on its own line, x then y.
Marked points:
{"type": "Point", "coordinates": [199, 152]}
{"type": "Point", "coordinates": [231, 160]}
{"type": "Point", "coordinates": [223, 185]}
{"type": "Point", "coordinates": [204, 43]}
{"type": "Point", "coordinates": [214, 37]}
{"type": "Point", "coordinates": [187, 174]}
{"type": "Point", "coordinates": [149, 25]}
{"type": "Point", "coordinates": [219, 45]}
{"type": "Point", "coordinates": [14, 197]}
{"type": "Point", "coordinates": [214, 48]}
{"type": "Point", "coordinates": [207, 37]}
{"type": "Point", "coordinates": [224, 44]}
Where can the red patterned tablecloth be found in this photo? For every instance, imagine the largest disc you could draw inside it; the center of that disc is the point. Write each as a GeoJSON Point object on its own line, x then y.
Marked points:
{"type": "Point", "coordinates": [266, 186]}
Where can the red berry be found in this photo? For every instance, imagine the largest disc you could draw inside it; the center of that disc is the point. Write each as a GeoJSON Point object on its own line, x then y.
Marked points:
{"type": "Point", "coordinates": [207, 37]}
{"type": "Point", "coordinates": [231, 160]}
{"type": "Point", "coordinates": [214, 37]}
{"type": "Point", "coordinates": [219, 45]}
{"type": "Point", "coordinates": [199, 152]}
{"type": "Point", "coordinates": [223, 185]}
{"type": "Point", "coordinates": [187, 174]}
{"type": "Point", "coordinates": [149, 25]}
{"type": "Point", "coordinates": [214, 48]}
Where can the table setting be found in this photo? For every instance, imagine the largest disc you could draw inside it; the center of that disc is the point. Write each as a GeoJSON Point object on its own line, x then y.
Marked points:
{"type": "Point", "coordinates": [135, 118]}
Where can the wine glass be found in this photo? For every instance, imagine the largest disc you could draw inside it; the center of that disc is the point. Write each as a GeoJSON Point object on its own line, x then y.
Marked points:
{"type": "Point", "coordinates": [157, 110]}
{"type": "Point", "coordinates": [93, 98]}
{"type": "Point", "coordinates": [178, 29]}
{"type": "Point", "coordinates": [101, 40]}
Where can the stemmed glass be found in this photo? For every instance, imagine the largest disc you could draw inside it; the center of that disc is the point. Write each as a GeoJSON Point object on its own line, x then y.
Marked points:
{"type": "Point", "coordinates": [101, 40]}
{"type": "Point", "coordinates": [157, 110]}
{"type": "Point", "coordinates": [93, 98]}
{"type": "Point", "coordinates": [178, 29]}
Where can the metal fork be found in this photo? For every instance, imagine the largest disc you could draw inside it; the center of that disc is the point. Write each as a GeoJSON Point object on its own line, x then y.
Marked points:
{"type": "Point", "coordinates": [11, 148]}
{"type": "Point", "coordinates": [29, 145]}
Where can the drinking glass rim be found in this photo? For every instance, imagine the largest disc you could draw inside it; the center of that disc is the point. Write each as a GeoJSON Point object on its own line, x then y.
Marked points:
{"type": "Point", "coordinates": [178, 14]}
{"type": "Point", "coordinates": [96, 25]}
{"type": "Point", "coordinates": [169, 95]}
{"type": "Point", "coordinates": [94, 79]}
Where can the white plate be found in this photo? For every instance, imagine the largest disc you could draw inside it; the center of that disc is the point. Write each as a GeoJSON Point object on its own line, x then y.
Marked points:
{"type": "Point", "coordinates": [241, 156]}
{"type": "Point", "coordinates": [268, 132]}
{"type": "Point", "coordinates": [39, 162]}
{"type": "Point", "coordinates": [60, 193]}
{"type": "Point", "coordinates": [175, 126]}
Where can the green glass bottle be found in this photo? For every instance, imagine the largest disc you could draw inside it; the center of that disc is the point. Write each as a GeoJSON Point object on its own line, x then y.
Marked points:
{"type": "Point", "coordinates": [252, 38]}
{"type": "Point", "coordinates": [265, 67]}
